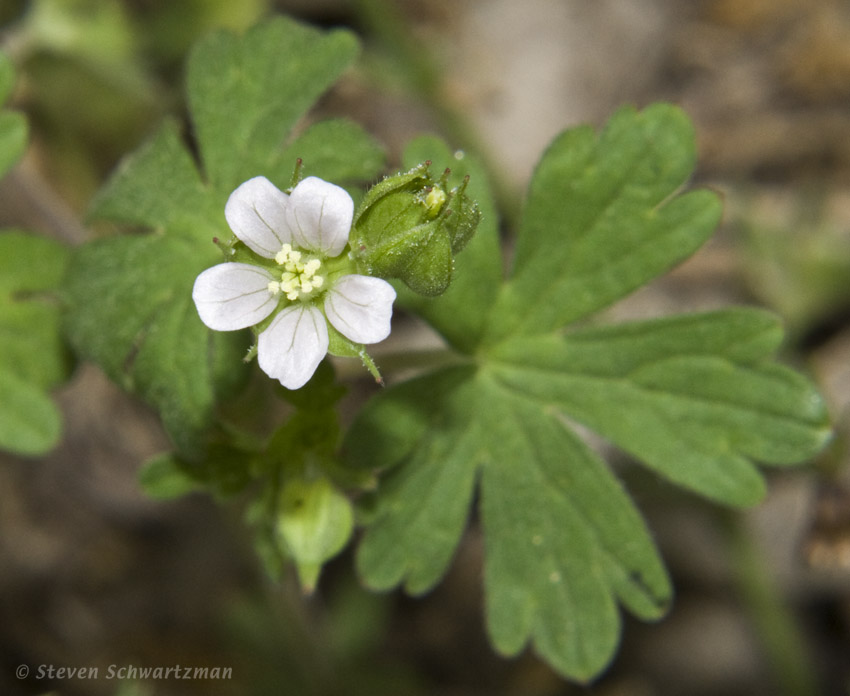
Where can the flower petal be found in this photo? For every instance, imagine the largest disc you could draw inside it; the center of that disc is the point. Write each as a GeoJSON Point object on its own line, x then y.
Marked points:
{"type": "Point", "coordinates": [360, 308]}
{"type": "Point", "coordinates": [256, 212]}
{"type": "Point", "coordinates": [319, 216]}
{"type": "Point", "coordinates": [233, 296]}
{"type": "Point", "coordinates": [293, 345]}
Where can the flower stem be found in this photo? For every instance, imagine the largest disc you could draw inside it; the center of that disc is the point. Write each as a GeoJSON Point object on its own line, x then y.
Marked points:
{"type": "Point", "coordinates": [398, 361]}
{"type": "Point", "coordinates": [780, 636]}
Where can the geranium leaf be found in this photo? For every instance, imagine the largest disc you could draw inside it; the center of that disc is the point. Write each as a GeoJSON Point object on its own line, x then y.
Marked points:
{"type": "Point", "coordinates": [422, 509]}
{"type": "Point", "coordinates": [563, 541]}
{"type": "Point", "coordinates": [246, 93]}
{"type": "Point", "coordinates": [697, 398]}
{"type": "Point", "coordinates": [603, 218]}
{"type": "Point", "coordinates": [320, 146]}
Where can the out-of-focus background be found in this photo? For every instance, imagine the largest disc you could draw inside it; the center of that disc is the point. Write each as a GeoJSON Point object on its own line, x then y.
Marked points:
{"type": "Point", "coordinates": [94, 574]}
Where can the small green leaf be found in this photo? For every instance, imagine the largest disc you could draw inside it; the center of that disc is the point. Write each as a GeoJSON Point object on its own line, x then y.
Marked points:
{"type": "Point", "coordinates": [224, 471]}
{"type": "Point", "coordinates": [33, 358]}
{"type": "Point", "coordinates": [246, 93]}
{"type": "Point", "coordinates": [30, 423]}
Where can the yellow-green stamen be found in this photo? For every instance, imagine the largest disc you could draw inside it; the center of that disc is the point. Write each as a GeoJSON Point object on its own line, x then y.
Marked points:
{"type": "Point", "coordinates": [298, 278]}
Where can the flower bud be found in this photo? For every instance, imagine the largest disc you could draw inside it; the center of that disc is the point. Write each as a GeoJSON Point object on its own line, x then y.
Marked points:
{"type": "Point", "coordinates": [410, 226]}
{"type": "Point", "coordinates": [315, 523]}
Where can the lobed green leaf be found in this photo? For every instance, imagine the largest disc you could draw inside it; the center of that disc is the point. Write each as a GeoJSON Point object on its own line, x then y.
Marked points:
{"type": "Point", "coordinates": [159, 187]}
{"type": "Point", "coordinates": [697, 398]}
{"type": "Point", "coordinates": [602, 219]}
{"type": "Point", "coordinates": [130, 310]}
{"type": "Point", "coordinates": [247, 93]}
{"type": "Point", "coordinates": [422, 508]}
{"type": "Point", "coordinates": [335, 150]}
{"type": "Point", "coordinates": [563, 542]}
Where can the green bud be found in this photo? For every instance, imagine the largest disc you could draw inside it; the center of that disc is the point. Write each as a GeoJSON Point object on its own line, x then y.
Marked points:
{"type": "Point", "coordinates": [410, 226]}
{"type": "Point", "coordinates": [315, 523]}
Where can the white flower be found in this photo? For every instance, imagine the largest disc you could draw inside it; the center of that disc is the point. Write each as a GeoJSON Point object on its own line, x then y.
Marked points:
{"type": "Point", "coordinates": [308, 279]}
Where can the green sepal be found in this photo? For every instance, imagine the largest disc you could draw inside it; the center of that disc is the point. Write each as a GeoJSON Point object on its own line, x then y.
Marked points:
{"type": "Point", "coordinates": [460, 314]}
{"type": "Point", "coordinates": [343, 347]}
{"type": "Point", "coordinates": [410, 226]}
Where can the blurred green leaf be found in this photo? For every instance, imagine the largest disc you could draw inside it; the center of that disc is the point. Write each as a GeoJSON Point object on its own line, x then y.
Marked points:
{"type": "Point", "coordinates": [162, 477]}
{"type": "Point", "coordinates": [13, 126]}
{"type": "Point", "coordinates": [33, 358]}
{"type": "Point", "coordinates": [796, 260]}
{"type": "Point", "coordinates": [225, 471]}
{"type": "Point", "coordinates": [7, 77]}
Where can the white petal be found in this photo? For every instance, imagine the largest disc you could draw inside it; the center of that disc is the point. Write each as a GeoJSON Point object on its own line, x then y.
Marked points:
{"type": "Point", "coordinates": [360, 308]}
{"type": "Point", "coordinates": [256, 212]}
{"type": "Point", "coordinates": [319, 216]}
{"type": "Point", "coordinates": [293, 345]}
{"type": "Point", "coordinates": [233, 296]}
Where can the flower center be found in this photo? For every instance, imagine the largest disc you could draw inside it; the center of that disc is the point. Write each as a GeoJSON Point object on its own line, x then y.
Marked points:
{"type": "Point", "coordinates": [299, 275]}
